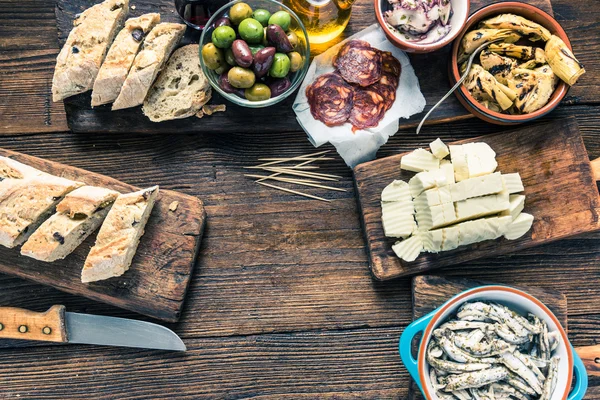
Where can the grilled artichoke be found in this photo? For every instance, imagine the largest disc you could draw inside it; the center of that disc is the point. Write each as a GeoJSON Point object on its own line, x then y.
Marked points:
{"type": "Point", "coordinates": [562, 61]}
{"type": "Point", "coordinates": [479, 80]}
{"type": "Point", "coordinates": [497, 65]}
{"type": "Point", "coordinates": [519, 24]}
{"type": "Point", "coordinates": [533, 87]}
{"type": "Point", "coordinates": [472, 40]}
{"type": "Point", "coordinates": [524, 53]}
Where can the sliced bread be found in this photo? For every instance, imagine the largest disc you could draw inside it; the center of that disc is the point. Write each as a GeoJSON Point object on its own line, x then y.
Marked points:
{"type": "Point", "coordinates": [119, 236]}
{"type": "Point", "coordinates": [78, 215]}
{"type": "Point", "coordinates": [79, 60]}
{"type": "Point", "coordinates": [120, 58]}
{"type": "Point", "coordinates": [159, 44]}
{"type": "Point", "coordinates": [181, 89]}
{"type": "Point", "coordinates": [11, 169]}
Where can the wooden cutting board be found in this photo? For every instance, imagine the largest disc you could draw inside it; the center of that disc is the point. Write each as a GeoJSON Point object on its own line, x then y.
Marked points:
{"type": "Point", "coordinates": [559, 185]}
{"type": "Point", "coordinates": [431, 69]}
{"type": "Point", "coordinates": [430, 292]}
{"type": "Point", "coordinates": [158, 278]}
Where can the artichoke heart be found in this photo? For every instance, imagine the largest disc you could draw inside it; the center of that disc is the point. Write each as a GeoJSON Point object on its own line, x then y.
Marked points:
{"type": "Point", "coordinates": [562, 61]}
{"type": "Point", "coordinates": [481, 80]}
{"type": "Point", "coordinates": [519, 24]}
{"type": "Point", "coordinates": [524, 53]}
{"type": "Point", "coordinates": [497, 65]}
{"type": "Point", "coordinates": [472, 40]}
{"type": "Point", "coordinates": [533, 87]}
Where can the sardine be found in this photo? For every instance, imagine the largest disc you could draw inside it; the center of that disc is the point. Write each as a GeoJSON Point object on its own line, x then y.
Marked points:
{"type": "Point", "coordinates": [454, 367]}
{"type": "Point", "coordinates": [554, 340]}
{"type": "Point", "coordinates": [504, 332]}
{"type": "Point", "coordinates": [475, 379]}
{"type": "Point", "coordinates": [519, 384]}
{"type": "Point", "coordinates": [454, 352]}
{"type": "Point", "coordinates": [519, 368]}
{"type": "Point", "coordinates": [551, 380]}
{"type": "Point", "coordinates": [544, 342]}
{"type": "Point", "coordinates": [507, 390]}
{"type": "Point", "coordinates": [531, 365]}
{"type": "Point", "coordinates": [466, 325]}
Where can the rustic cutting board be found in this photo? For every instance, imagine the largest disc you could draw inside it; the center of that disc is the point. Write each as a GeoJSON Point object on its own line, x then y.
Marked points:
{"type": "Point", "coordinates": [561, 194]}
{"type": "Point", "coordinates": [158, 278]}
{"type": "Point", "coordinates": [431, 69]}
{"type": "Point", "coordinates": [430, 292]}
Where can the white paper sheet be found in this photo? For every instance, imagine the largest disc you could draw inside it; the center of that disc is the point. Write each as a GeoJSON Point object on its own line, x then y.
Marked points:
{"type": "Point", "coordinates": [361, 146]}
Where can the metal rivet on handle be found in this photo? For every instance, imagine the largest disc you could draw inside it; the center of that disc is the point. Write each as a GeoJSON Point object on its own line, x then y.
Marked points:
{"type": "Point", "coordinates": [47, 330]}
{"type": "Point", "coordinates": [23, 328]}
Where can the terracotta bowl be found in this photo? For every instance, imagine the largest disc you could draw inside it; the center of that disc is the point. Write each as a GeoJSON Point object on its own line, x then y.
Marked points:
{"type": "Point", "coordinates": [459, 17]}
{"type": "Point", "coordinates": [527, 11]}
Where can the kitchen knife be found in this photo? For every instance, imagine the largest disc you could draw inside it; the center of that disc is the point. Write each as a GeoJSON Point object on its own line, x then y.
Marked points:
{"type": "Point", "coordinates": [56, 325]}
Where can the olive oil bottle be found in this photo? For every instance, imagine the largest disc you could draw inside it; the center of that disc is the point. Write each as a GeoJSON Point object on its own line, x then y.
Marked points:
{"type": "Point", "coordinates": [324, 19]}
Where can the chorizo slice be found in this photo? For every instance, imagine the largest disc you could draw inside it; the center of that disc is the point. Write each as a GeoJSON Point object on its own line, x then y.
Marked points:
{"type": "Point", "coordinates": [390, 64]}
{"type": "Point", "coordinates": [359, 64]}
{"type": "Point", "coordinates": [368, 110]}
{"type": "Point", "coordinates": [330, 99]}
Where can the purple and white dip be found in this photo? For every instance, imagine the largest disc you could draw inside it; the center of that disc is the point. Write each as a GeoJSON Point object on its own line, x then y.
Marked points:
{"type": "Point", "coordinates": [423, 21]}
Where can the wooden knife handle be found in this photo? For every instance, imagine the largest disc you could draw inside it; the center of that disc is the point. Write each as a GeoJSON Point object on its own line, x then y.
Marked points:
{"type": "Point", "coordinates": [596, 168]}
{"type": "Point", "coordinates": [16, 323]}
{"type": "Point", "coordinates": [590, 355]}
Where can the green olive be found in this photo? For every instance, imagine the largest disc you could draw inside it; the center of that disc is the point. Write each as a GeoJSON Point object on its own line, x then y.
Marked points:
{"type": "Point", "coordinates": [241, 78]}
{"type": "Point", "coordinates": [293, 38]}
{"type": "Point", "coordinates": [212, 56]}
{"type": "Point", "coordinates": [229, 58]}
{"type": "Point", "coordinates": [239, 12]}
{"type": "Point", "coordinates": [281, 18]}
{"type": "Point", "coordinates": [254, 49]}
{"type": "Point", "coordinates": [251, 31]}
{"type": "Point", "coordinates": [223, 36]}
{"type": "Point", "coordinates": [265, 40]}
{"type": "Point", "coordinates": [296, 61]}
{"type": "Point", "coordinates": [262, 16]}
{"type": "Point", "coordinates": [280, 66]}
{"type": "Point", "coordinates": [258, 92]}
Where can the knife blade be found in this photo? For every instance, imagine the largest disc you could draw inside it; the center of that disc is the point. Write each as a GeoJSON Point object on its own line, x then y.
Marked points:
{"type": "Point", "coordinates": [57, 325]}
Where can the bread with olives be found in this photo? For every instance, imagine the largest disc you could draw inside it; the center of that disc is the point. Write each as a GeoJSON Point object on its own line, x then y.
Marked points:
{"type": "Point", "coordinates": [79, 60]}
{"type": "Point", "coordinates": [120, 58]}
{"type": "Point", "coordinates": [77, 216]}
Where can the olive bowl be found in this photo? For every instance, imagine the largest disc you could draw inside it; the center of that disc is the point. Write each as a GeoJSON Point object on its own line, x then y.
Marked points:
{"type": "Point", "coordinates": [303, 48]}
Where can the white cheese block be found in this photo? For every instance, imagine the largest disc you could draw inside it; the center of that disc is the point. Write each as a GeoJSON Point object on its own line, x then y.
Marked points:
{"type": "Point", "coordinates": [481, 159]}
{"type": "Point", "coordinates": [520, 226]}
{"type": "Point", "coordinates": [459, 161]}
{"type": "Point", "coordinates": [408, 249]}
{"type": "Point", "coordinates": [513, 183]}
{"type": "Point", "coordinates": [433, 197]}
{"type": "Point", "coordinates": [439, 149]}
{"type": "Point", "coordinates": [419, 160]}
{"type": "Point", "coordinates": [396, 191]}
{"type": "Point", "coordinates": [436, 216]}
{"type": "Point", "coordinates": [451, 238]}
{"type": "Point", "coordinates": [432, 240]}
{"type": "Point", "coordinates": [470, 232]}
{"type": "Point", "coordinates": [397, 208]}
{"type": "Point", "coordinates": [448, 168]}
{"type": "Point", "coordinates": [517, 204]}
{"type": "Point", "coordinates": [476, 187]}
{"type": "Point", "coordinates": [481, 206]}
{"type": "Point", "coordinates": [426, 180]}
{"type": "Point", "coordinates": [499, 224]}
{"type": "Point", "coordinates": [397, 218]}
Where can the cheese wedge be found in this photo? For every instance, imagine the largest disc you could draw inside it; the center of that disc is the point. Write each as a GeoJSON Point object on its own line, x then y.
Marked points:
{"type": "Point", "coordinates": [519, 227]}
{"type": "Point", "coordinates": [396, 191]}
{"type": "Point", "coordinates": [419, 160]}
{"type": "Point", "coordinates": [512, 183]}
{"type": "Point", "coordinates": [517, 204]}
{"type": "Point", "coordinates": [408, 249]}
{"type": "Point", "coordinates": [439, 149]}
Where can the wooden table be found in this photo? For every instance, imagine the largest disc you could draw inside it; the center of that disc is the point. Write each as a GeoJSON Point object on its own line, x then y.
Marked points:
{"type": "Point", "coordinates": [282, 304]}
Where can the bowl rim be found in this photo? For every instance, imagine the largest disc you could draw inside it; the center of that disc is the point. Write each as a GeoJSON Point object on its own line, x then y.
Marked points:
{"type": "Point", "coordinates": [479, 290]}
{"type": "Point", "coordinates": [477, 108]}
{"type": "Point", "coordinates": [422, 48]}
{"type": "Point", "coordinates": [245, 102]}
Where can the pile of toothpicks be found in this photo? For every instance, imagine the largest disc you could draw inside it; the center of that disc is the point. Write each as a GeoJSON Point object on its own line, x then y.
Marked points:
{"type": "Point", "coordinates": [301, 173]}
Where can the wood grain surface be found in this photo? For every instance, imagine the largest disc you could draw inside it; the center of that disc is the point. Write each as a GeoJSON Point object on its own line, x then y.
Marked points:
{"type": "Point", "coordinates": [18, 323]}
{"type": "Point", "coordinates": [158, 278]}
{"type": "Point", "coordinates": [430, 292]}
{"type": "Point", "coordinates": [560, 190]}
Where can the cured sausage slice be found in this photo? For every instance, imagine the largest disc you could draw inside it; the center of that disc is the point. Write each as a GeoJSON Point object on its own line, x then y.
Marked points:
{"type": "Point", "coordinates": [330, 99]}
{"type": "Point", "coordinates": [390, 64]}
{"type": "Point", "coordinates": [368, 110]}
{"type": "Point", "coordinates": [357, 62]}
{"type": "Point", "coordinates": [388, 92]}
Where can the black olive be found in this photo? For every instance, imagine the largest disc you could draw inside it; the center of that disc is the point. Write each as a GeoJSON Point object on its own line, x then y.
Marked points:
{"type": "Point", "coordinates": [75, 50]}
{"type": "Point", "coordinates": [138, 35]}
{"type": "Point", "coordinates": [58, 237]}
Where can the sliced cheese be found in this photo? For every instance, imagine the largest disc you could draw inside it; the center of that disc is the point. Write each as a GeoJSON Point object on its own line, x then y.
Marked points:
{"type": "Point", "coordinates": [517, 204]}
{"type": "Point", "coordinates": [433, 197]}
{"type": "Point", "coordinates": [439, 149]}
{"type": "Point", "coordinates": [448, 168]}
{"type": "Point", "coordinates": [481, 159]}
{"type": "Point", "coordinates": [459, 161]}
{"type": "Point", "coordinates": [481, 206]}
{"type": "Point", "coordinates": [451, 238]}
{"type": "Point", "coordinates": [432, 240]}
{"type": "Point", "coordinates": [436, 216]}
{"type": "Point", "coordinates": [513, 183]}
{"type": "Point", "coordinates": [409, 249]}
{"type": "Point", "coordinates": [419, 160]}
{"type": "Point", "coordinates": [397, 218]}
{"type": "Point", "coordinates": [426, 180]}
{"type": "Point", "coordinates": [476, 187]}
{"type": "Point", "coordinates": [519, 227]}
{"type": "Point", "coordinates": [396, 191]}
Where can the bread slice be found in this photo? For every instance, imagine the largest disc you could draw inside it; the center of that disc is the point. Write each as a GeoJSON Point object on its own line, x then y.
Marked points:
{"type": "Point", "coordinates": [12, 169]}
{"type": "Point", "coordinates": [78, 215]}
{"type": "Point", "coordinates": [120, 58]}
{"type": "Point", "coordinates": [119, 236]}
{"type": "Point", "coordinates": [26, 203]}
{"type": "Point", "coordinates": [181, 89]}
{"type": "Point", "coordinates": [79, 60]}
{"type": "Point", "coordinates": [159, 44]}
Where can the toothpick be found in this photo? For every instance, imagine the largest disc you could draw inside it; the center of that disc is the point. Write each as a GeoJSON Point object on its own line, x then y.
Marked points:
{"type": "Point", "coordinates": [266, 177]}
{"type": "Point", "coordinates": [304, 174]}
{"type": "Point", "coordinates": [314, 174]}
{"type": "Point", "coordinates": [304, 167]}
{"type": "Point", "coordinates": [298, 165]}
{"type": "Point", "coordinates": [299, 159]}
{"type": "Point", "coordinates": [293, 191]}
{"type": "Point", "coordinates": [296, 158]}
{"type": "Point", "coordinates": [298, 182]}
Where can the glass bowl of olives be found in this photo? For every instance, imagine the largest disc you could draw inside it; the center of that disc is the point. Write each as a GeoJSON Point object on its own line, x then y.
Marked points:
{"type": "Point", "coordinates": [255, 53]}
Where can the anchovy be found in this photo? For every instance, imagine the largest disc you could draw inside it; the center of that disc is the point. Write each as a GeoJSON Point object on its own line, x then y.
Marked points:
{"type": "Point", "coordinates": [517, 366]}
{"type": "Point", "coordinates": [444, 396]}
{"type": "Point", "coordinates": [531, 365]}
{"type": "Point", "coordinates": [519, 384]}
{"type": "Point", "coordinates": [507, 390]}
{"type": "Point", "coordinates": [480, 394]}
{"type": "Point", "coordinates": [434, 379]}
{"type": "Point", "coordinates": [454, 367]}
{"type": "Point", "coordinates": [453, 351]}
{"type": "Point", "coordinates": [505, 333]}
{"type": "Point", "coordinates": [533, 328]}
{"type": "Point", "coordinates": [551, 380]}
{"type": "Point", "coordinates": [461, 395]}
{"type": "Point", "coordinates": [466, 325]}
{"type": "Point", "coordinates": [544, 342]}
{"type": "Point", "coordinates": [509, 318]}
{"type": "Point", "coordinates": [538, 362]}
{"type": "Point", "coordinates": [475, 379]}
{"type": "Point", "coordinates": [554, 339]}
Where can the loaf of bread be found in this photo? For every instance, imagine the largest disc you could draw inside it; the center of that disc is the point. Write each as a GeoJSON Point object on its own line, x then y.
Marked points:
{"type": "Point", "coordinates": [119, 236]}
{"type": "Point", "coordinates": [78, 215]}
{"type": "Point", "coordinates": [159, 44]}
{"type": "Point", "coordinates": [120, 58]}
{"type": "Point", "coordinates": [79, 60]}
{"type": "Point", "coordinates": [181, 88]}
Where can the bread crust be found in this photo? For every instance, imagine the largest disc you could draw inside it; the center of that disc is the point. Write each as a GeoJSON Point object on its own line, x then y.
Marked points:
{"type": "Point", "coordinates": [120, 57]}
{"type": "Point", "coordinates": [79, 60]}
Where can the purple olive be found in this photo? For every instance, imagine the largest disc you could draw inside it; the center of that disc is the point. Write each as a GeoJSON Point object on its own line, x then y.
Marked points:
{"type": "Point", "coordinates": [224, 21]}
{"type": "Point", "coordinates": [263, 60]}
{"type": "Point", "coordinates": [224, 83]}
{"type": "Point", "coordinates": [242, 53]}
{"type": "Point", "coordinates": [279, 86]}
{"type": "Point", "coordinates": [277, 36]}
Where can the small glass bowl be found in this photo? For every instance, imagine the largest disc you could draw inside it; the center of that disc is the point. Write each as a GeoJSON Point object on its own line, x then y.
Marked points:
{"type": "Point", "coordinates": [303, 48]}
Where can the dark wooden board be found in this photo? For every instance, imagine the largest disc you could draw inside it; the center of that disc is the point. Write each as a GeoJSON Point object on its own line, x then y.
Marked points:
{"type": "Point", "coordinates": [431, 70]}
{"type": "Point", "coordinates": [430, 292]}
{"type": "Point", "coordinates": [561, 194]}
{"type": "Point", "coordinates": [158, 279]}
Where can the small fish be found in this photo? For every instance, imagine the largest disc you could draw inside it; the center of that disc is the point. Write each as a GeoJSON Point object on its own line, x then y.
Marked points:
{"type": "Point", "coordinates": [475, 379]}
{"type": "Point", "coordinates": [531, 365]}
{"type": "Point", "coordinates": [503, 389]}
{"type": "Point", "coordinates": [519, 384]}
{"type": "Point", "coordinates": [505, 333]}
{"type": "Point", "coordinates": [551, 380]}
{"type": "Point", "coordinates": [517, 366]}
